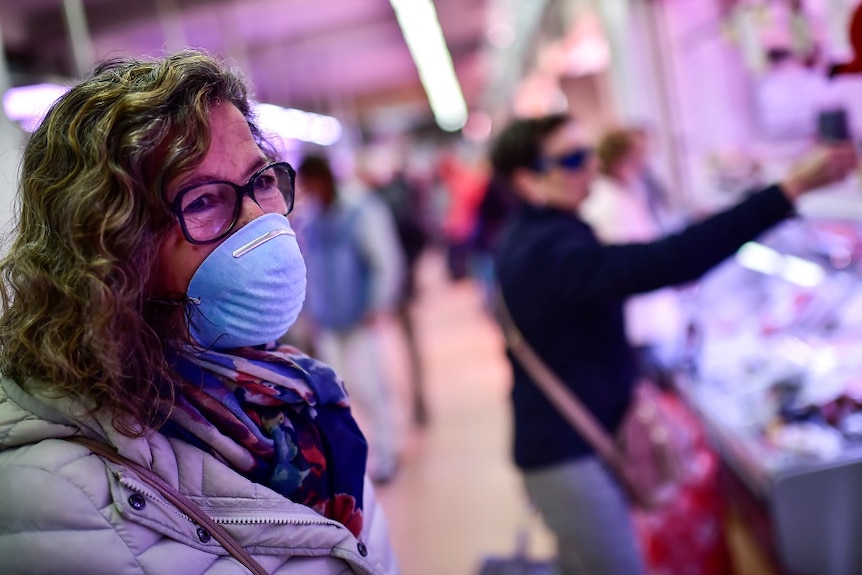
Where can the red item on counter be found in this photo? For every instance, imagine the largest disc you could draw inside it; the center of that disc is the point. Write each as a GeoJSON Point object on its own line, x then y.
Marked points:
{"type": "Point", "coordinates": [854, 66]}
{"type": "Point", "coordinates": [687, 536]}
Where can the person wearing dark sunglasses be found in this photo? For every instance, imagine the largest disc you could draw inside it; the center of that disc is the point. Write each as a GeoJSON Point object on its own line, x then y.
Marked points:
{"type": "Point", "coordinates": [565, 291]}
{"type": "Point", "coordinates": [152, 270]}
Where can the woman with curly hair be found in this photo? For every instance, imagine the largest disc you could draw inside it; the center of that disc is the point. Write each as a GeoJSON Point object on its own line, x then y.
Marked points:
{"type": "Point", "coordinates": [152, 270]}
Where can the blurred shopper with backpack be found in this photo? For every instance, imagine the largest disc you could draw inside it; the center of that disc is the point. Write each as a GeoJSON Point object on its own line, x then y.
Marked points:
{"type": "Point", "coordinates": [355, 276]}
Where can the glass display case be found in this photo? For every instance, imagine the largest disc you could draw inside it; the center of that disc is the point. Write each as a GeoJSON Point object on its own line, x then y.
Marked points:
{"type": "Point", "coordinates": [777, 378]}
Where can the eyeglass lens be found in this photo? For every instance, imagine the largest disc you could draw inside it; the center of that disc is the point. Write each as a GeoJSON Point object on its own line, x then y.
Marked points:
{"type": "Point", "coordinates": [210, 210]}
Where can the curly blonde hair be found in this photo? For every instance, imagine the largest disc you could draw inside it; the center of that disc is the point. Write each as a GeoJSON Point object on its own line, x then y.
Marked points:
{"type": "Point", "coordinates": [77, 317]}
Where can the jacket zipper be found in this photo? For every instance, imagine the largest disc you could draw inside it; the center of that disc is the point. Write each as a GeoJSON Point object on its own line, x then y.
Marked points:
{"type": "Point", "coordinates": [233, 520]}
{"type": "Point", "coordinates": [275, 521]}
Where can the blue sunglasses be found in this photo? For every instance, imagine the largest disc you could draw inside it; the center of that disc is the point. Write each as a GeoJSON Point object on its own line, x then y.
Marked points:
{"type": "Point", "coordinates": [573, 161]}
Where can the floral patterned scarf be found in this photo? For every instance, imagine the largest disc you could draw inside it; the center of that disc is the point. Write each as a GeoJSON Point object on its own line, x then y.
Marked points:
{"type": "Point", "coordinates": [280, 418]}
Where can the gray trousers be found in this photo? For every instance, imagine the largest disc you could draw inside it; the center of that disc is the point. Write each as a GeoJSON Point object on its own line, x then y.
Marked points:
{"type": "Point", "coordinates": [584, 507]}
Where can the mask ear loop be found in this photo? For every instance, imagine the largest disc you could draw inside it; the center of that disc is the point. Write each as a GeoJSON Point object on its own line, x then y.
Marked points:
{"type": "Point", "coordinates": [184, 301]}
{"type": "Point", "coordinates": [177, 302]}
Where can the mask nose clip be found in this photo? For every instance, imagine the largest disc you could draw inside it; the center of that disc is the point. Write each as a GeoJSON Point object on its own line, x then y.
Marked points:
{"type": "Point", "coordinates": [259, 241]}
{"type": "Point", "coordinates": [234, 301]}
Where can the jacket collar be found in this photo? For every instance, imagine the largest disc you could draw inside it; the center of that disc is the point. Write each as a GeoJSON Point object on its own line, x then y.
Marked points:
{"type": "Point", "coordinates": [28, 417]}
{"type": "Point", "coordinates": [254, 512]}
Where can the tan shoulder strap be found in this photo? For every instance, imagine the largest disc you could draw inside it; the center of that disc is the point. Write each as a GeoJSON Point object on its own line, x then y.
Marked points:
{"type": "Point", "coordinates": [566, 402]}
{"type": "Point", "coordinates": [176, 498]}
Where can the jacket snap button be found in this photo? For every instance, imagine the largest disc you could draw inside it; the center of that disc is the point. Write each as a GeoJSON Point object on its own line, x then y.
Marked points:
{"type": "Point", "coordinates": [204, 535]}
{"type": "Point", "coordinates": [137, 501]}
{"type": "Point", "coordinates": [363, 550]}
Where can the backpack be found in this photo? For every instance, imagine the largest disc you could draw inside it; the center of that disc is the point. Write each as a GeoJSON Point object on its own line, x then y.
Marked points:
{"type": "Point", "coordinates": [338, 272]}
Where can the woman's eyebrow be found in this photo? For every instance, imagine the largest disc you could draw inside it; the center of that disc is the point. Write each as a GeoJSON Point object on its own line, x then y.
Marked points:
{"type": "Point", "coordinates": [209, 178]}
{"type": "Point", "coordinates": [200, 179]}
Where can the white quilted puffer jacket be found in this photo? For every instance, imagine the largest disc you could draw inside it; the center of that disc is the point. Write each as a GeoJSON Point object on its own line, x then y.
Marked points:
{"type": "Point", "coordinates": [67, 511]}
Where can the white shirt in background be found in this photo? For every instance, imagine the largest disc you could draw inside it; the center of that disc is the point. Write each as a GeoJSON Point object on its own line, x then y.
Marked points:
{"type": "Point", "coordinates": [621, 215]}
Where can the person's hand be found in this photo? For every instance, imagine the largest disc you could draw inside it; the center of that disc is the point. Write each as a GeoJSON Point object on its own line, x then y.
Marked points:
{"type": "Point", "coordinates": [827, 164]}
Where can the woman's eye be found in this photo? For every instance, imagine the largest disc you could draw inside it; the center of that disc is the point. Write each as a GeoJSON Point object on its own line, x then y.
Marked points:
{"type": "Point", "coordinates": [199, 204]}
{"type": "Point", "coordinates": [265, 181]}
{"type": "Point", "coordinates": [203, 200]}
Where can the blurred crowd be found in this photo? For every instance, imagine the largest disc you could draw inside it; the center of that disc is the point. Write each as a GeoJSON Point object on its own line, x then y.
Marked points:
{"type": "Point", "coordinates": [366, 223]}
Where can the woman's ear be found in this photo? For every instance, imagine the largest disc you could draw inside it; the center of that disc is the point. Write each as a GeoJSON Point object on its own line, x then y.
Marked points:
{"type": "Point", "coordinates": [527, 184]}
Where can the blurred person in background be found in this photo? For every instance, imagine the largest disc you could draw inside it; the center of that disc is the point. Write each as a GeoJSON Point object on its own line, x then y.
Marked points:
{"type": "Point", "coordinates": [151, 270]}
{"type": "Point", "coordinates": [405, 200]}
{"type": "Point", "coordinates": [300, 333]}
{"type": "Point", "coordinates": [668, 214]}
{"type": "Point", "coordinates": [355, 281]}
{"type": "Point", "coordinates": [618, 209]}
{"type": "Point", "coordinates": [565, 291]}
{"type": "Point", "coordinates": [464, 184]}
{"type": "Point", "coordinates": [496, 207]}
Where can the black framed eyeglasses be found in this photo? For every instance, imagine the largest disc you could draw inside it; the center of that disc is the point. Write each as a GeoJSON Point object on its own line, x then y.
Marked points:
{"type": "Point", "coordinates": [573, 161]}
{"type": "Point", "coordinates": [208, 212]}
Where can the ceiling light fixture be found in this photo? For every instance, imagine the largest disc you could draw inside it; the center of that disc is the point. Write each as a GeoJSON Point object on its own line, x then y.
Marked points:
{"type": "Point", "coordinates": [28, 105]}
{"type": "Point", "coordinates": [424, 37]}
{"type": "Point", "coordinates": [296, 124]}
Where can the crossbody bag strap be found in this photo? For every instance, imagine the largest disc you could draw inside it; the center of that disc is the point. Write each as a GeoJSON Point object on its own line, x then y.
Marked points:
{"type": "Point", "coordinates": [566, 402]}
{"type": "Point", "coordinates": [179, 500]}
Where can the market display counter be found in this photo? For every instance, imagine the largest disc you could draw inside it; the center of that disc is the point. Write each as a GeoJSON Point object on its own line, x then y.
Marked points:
{"type": "Point", "coordinates": [807, 515]}
{"type": "Point", "coordinates": [777, 380]}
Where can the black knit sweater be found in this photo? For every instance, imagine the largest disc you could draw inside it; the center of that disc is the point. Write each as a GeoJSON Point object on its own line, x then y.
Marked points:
{"type": "Point", "coordinates": [565, 291]}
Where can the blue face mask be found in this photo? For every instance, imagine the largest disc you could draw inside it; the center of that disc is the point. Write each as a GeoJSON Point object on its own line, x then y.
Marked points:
{"type": "Point", "coordinates": [250, 289]}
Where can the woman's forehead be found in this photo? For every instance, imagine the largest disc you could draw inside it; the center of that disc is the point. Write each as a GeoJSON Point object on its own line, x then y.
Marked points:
{"type": "Point", "coordinates": [567, 137]}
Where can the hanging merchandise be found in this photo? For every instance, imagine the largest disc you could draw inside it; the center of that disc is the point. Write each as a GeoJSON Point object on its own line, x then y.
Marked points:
{"type": "Point", "coordinates": [758, 26]}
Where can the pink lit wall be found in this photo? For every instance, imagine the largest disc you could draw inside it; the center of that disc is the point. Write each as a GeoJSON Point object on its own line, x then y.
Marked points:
{"type": "Point", "coordinates": [709, 90]}
{"type": "Point", "coordinates": [641, 86]}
